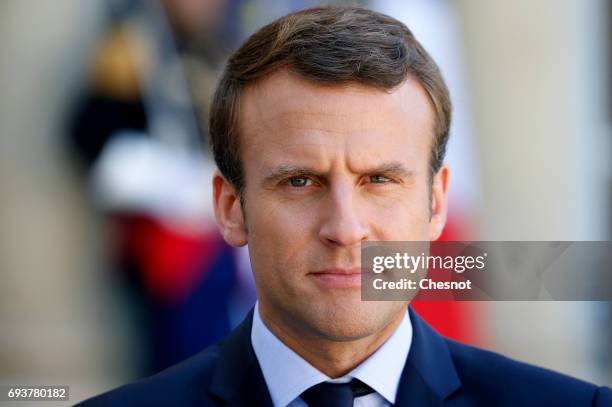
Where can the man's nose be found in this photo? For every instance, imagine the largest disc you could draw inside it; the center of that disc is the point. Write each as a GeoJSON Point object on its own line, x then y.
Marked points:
{"type": "Point", "coordinates": [342, 224]}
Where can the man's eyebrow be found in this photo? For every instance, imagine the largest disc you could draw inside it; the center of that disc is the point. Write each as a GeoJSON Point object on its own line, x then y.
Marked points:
{"type": "Point", "coordinates": [287, 171]}
{"type": "Point", "coordinates": [395, 168]}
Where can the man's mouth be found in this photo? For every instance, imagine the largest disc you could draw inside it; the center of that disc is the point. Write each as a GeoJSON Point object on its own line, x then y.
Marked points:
{"type": "Point", "coordinates": [339, 277]}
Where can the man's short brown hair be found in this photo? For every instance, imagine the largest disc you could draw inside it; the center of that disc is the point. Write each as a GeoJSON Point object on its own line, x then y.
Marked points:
{"type": "Point", "coordinates": [330, 46]}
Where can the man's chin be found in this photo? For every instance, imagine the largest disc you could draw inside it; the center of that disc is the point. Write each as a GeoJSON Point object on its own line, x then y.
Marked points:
{"type": "Point", "coordinates": [351, 319]}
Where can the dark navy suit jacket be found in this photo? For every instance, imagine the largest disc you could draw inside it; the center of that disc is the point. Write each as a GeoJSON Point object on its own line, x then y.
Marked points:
{"type": "Point", "coordinates": [438, 372]}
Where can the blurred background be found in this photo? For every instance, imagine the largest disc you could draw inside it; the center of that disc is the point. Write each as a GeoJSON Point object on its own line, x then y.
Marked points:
{"type": "Point", "coordinates": [110, 264]}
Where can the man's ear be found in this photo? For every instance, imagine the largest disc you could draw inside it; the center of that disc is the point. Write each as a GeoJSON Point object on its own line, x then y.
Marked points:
{"type": "Point", "coordinates": [228, 212]}
{"type": "Point", "coordinates": [439, 195]}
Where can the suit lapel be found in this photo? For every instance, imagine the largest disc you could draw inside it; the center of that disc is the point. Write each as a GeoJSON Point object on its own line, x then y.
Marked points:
{"type": "Point", "coordinates": [429, 376]}
{"type": "Point", "coordinates": [238, 380]}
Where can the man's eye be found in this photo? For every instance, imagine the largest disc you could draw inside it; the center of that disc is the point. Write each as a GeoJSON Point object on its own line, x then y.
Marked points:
{"type": "Point", "coordinates": [379, 179]}
{"type": "Point", "coordinates": [299, 182]}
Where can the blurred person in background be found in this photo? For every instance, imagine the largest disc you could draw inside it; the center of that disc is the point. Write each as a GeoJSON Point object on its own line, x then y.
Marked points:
{"type": "Point", "coordinates": [136, 131]}
{"type": "Point", "coordinates": [297, 184]}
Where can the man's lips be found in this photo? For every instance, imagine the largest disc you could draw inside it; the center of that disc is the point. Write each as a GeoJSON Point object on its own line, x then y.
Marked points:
{"type": "Point", "coordinates": [342, 271]}
{"type": "Point", "coordinates": [338, 277]}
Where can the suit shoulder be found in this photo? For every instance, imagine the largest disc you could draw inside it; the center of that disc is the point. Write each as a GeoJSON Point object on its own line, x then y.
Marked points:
{"type": "Point", "coordinates": [497, 377]}
{"type": "Point", "coordinates": [181, 384]}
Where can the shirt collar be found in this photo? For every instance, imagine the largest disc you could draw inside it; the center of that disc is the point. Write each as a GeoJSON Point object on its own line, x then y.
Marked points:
{"type": "Point", "coordinates": [287, 375]}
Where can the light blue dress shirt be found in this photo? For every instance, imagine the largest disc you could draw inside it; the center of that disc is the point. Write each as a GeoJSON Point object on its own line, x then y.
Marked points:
{"type": "Point", "coordinates": [287, 375]}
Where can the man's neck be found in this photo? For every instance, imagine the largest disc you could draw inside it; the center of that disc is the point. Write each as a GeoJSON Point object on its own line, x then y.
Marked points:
{"type": "Point", "coordinates": [333, 358]}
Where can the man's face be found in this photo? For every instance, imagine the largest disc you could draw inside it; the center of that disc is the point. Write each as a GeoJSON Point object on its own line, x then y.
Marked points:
{"type": "Point", "coordinates": [325, 169]}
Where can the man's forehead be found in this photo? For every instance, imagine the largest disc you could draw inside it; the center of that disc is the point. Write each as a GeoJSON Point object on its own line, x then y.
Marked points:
{"type": "Point", "coordinates": [286, 120]}
{"type": "Point", "coordinates": [285, 100]}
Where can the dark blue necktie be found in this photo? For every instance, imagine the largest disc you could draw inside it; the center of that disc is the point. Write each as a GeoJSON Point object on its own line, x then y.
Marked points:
{"type": "Point", "coordinates": [335, 394]}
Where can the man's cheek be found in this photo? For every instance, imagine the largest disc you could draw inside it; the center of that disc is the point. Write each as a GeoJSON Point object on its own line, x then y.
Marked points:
{"type": "Point", "coordinates": [400, 222]}
{"type": "Point", "coordinates": [396, 210]}
{"type": "Point", "coordinates": [293, 217]}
